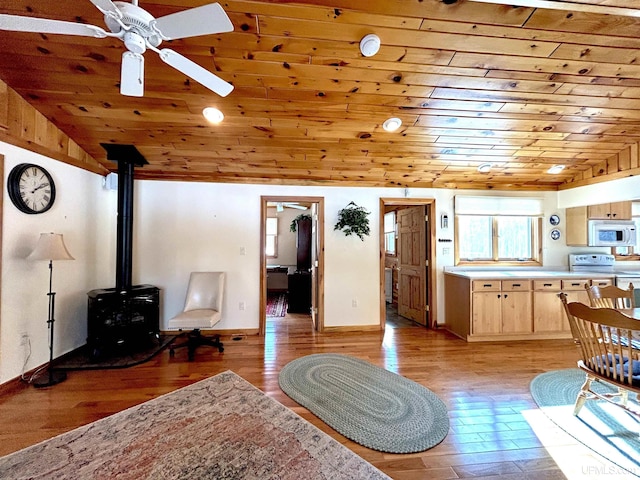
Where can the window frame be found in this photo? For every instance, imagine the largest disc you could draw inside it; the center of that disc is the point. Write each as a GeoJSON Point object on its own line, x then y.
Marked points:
{"type": "Point", "coordinates": [535, 240]}
{"type": "Point", "coordinates": [394, 252]}
{"type": "Point", "coordinates": [273, 235]}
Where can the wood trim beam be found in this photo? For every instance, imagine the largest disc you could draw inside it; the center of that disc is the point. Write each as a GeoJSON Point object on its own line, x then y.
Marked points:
{"type": "Point", "coordinates": [567, 6]}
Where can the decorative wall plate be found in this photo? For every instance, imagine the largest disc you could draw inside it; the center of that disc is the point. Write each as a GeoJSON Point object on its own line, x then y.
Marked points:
{"type": "Point", "coordinates": [554, 220]}
{"type": "Point", "coordinates": [555, 234]}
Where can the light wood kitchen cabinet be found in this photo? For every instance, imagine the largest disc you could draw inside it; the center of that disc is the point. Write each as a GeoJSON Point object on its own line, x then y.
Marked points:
{"type": "Point", "coordinates": [578, 218]}
{"type": "Point", "coordinates": [501, 307]}
{"type": "Point", "coordinates": [610, 211]}
{"type": "Point", "coordinates": [548, 313]}
{"type": "Point", "coordinates": [516, 312]}
{"type": "Point", "coordinates": [498, 309]}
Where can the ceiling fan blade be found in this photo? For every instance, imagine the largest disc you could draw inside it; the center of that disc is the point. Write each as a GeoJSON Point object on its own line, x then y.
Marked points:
{"type": "Point", "coordinates": [18, 23]}
{"type": "Point", "coordinates": [132, 75]}
{"type": "Point", "coordinates": [204, 20]}
{"type": "Point", "coordinates": [107, 6]}
{"type": "Point", "coordinates": [196, 72]}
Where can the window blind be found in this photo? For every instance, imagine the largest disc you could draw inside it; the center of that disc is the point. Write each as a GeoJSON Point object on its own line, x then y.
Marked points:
{"type": "Point", "coordinates": [488, 205]}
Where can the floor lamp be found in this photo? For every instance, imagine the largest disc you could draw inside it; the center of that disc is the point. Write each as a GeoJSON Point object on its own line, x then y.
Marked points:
{"type": "Point", "coordinates": [50, 247]}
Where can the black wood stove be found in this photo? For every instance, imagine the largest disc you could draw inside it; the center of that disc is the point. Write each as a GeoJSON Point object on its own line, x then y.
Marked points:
{"type": "Point", "coordinates": [125, 318]}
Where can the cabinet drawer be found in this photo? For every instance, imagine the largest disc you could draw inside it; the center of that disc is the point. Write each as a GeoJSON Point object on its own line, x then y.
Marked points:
{"type": "Point", "coordinates": [602, 282]}
{"type": "Point", "coordinates": [547, 285]}
{"type": "Point", "coordinates": [486, 285]}
{"type": "Point", "coordinates": [574, 284]}
{"type": "Point", "coordinates": [516, 285]}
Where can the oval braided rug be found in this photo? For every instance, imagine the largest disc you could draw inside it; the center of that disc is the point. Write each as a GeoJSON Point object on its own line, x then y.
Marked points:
{"type": "Point", "coordinates": [367, 404]}
{"type": "Point", "coordinates": [604, 428]}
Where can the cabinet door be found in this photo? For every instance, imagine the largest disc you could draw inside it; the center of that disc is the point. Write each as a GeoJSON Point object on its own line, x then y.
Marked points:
{"type": "Point", "coordinates": [599, 212]}
{"type": "Point", "coordinates": [620, 210]}
{"type": "Point", "coordinates": [516, 312]}
{"type": "Point", "coordinates": [486, 313]}
{"type": "Point", "coordinates": [548, 313]}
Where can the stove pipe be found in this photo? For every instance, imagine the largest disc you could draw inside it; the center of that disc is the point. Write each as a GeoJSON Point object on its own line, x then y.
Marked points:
{"type": "Point", "coordinates": [127, 157]}
{"type": "Point", "coordinates": [124, 235]}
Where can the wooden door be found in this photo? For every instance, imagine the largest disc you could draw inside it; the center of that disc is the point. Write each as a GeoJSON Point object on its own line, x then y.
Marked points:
{"type": "Point", "coordinates": [412, 258]}
{"type": "Point", "coordinates": [314, 265]}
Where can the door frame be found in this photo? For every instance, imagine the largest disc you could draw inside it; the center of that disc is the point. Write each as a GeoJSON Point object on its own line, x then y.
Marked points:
{"type": "Point", "coordinates": [263, 258]}
{"type": "Point", "coordinates": [431, 293]}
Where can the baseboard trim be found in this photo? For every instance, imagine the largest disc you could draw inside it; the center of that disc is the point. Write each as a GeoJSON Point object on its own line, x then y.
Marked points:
{"type": "Point", "coordinates": [17, 384]}
{"type": "Point", "coordinates": [222, 333]}
{"type": "Point", "coordinates": [353, 328]}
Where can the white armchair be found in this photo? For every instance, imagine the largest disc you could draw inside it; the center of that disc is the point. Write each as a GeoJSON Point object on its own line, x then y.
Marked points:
{"type": "Point", "coordinates": [202, 310]}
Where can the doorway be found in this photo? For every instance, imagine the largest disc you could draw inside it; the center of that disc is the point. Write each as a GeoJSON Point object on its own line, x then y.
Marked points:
{"type": "Point", "coordinates": [301, 278]}
{"type": "Point", "coordinates": [413, 268]}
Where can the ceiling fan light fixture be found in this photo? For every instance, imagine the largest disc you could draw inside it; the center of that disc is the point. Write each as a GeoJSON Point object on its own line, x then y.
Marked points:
{"type": "Point", "coordinates": [370, 45]}
{"type": "Point", "coordinates": [213, 115]}
{"type": "Point", "coordinates": [484, 167]}
{"type": "Point", "coordinates": [392, 124]}
{"type": "Point", "coordinates": [556, 169]}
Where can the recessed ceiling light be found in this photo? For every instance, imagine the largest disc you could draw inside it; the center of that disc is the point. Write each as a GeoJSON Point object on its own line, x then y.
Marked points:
{"type": "Point", "coordinates": [392, 124]}
{"type": "Point", "coordinates": [213, 115]}
{"type": "Point", "coordinates": [484, 167]}
{"type": "Point", "coordinates": [556, 169]}
{"type": "Point", "coordinates": [369, 45]}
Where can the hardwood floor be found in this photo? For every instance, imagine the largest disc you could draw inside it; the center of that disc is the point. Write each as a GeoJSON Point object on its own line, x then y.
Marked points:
{"type": "Point", "coordinates": [485, 387]}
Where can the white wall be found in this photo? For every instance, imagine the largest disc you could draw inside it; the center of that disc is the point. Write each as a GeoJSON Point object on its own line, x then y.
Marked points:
{"type": "Point", "coordinates": [82, 214]}
{"type": "Point", "coordinates": [181, 227]}
{"type": "Point", "coordinates": [627, 188]}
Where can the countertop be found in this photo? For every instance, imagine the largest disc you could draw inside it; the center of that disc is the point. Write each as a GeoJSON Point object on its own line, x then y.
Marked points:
{"type": "Point", "coordinates": [509, 274]}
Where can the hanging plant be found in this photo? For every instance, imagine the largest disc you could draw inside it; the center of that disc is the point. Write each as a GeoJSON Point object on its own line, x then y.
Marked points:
{"type": "Point", "coordinates": [352, 219]}
{"type": "Point", "coordinates": [294, 223]}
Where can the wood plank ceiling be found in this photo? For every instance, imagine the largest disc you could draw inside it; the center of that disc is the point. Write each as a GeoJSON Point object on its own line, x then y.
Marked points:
{"type": "Point", "coordinates": [520, 88]}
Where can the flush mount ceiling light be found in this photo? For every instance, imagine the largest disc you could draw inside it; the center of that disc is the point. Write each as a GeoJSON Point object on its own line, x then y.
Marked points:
{"type": "Point", "coordinates": [392, 124]}
{"type": "Point", "coordinates": [484, 167]}
{"type": "Point", "coordinates": [556, 169]}
{"type": "Point", "coordinates": [213, 115]}
{"type": "Point", "coordinates": [369, 45]}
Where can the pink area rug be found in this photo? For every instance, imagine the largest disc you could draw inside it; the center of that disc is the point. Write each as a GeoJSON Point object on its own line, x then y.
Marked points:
{"type": "Point", "coordinates": [276, 304]}
{"type": "Point", "coordinates": [219, 428]}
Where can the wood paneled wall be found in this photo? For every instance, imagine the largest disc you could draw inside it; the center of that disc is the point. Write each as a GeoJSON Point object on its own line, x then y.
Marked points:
{"type": "Point", "coordinates": [23, 126]}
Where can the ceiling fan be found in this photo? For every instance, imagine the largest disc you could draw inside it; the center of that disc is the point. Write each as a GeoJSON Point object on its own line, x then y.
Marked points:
{"type": "Point", "coordinates": [140, 31]}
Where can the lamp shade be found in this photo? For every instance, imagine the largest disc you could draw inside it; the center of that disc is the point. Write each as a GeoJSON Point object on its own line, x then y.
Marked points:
{"type": "Point", "coordinates": [50, 247]}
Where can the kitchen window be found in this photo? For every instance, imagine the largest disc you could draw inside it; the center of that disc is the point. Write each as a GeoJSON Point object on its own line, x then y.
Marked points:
{"type": "Point", "coordinates": [498, 230]}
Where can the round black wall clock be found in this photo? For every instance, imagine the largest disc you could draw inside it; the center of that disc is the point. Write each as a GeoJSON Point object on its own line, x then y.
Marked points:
{"type": "Point", "coordinates": [31, 188]}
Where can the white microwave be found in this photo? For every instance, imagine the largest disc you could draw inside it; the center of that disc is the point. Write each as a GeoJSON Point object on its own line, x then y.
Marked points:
{"type": "Point", "coordinates": [612, 233]}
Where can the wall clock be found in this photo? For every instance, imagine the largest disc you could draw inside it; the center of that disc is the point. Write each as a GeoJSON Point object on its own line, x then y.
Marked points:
{"type": "Point", "coordinates": [31, 188]}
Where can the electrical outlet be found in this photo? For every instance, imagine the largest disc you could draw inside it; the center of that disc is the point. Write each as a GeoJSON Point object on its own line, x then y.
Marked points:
{"type": "Point", "coordinates": [241, 305]}
{"type": "Point", "coordinates": [354, 302]}
{"type": "Point", "coordinates": [243, 251]}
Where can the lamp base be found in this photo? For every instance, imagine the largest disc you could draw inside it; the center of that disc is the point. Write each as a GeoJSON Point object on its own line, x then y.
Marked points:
{"type": "Point", "coordinates": [49, 378]}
